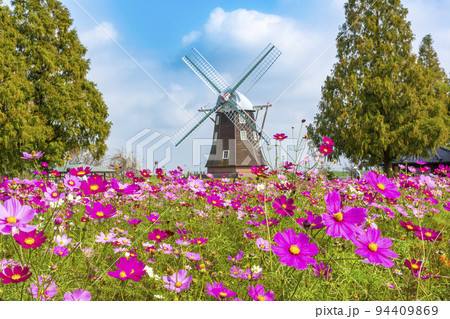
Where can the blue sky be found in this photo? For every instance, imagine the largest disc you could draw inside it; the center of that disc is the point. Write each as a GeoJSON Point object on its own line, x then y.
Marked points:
{"type": "Point", "coordinates": [230, 34]}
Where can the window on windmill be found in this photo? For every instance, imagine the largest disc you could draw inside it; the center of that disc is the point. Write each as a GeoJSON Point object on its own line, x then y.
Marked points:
{"type": "Point", "coordinates": [217, 119]}
{"type": "Point", "coordinates": [243, 135]}
{"type": "Point", "coordinates": [255, 136]}
{"type": "Point", "coordinates": [241, 119]}
{"type": "Point", "coordinates": [225, 154]}
{"type": "Point", "coordinates": [215, 136]}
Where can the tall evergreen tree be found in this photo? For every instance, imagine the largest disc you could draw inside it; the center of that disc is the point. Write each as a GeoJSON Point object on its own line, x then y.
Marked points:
{"type": "Point", "coordinates": [21, 125]}
{"type": "Point", "coordinates": [71, 106]}
{"type": "Point", "coordinates": [375, 104]}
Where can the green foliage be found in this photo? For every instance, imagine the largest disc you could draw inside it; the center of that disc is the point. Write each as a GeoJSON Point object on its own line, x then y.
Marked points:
{"type": "Point", "coordinates": [47, 104]}
{"type": "Point", "coordinates": [381, 102]}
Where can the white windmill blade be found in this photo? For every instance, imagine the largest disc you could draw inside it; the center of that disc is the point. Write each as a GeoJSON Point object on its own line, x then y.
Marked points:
{"type": "Point", "coordinates": [205, 71]}
{"type": "Point", "coordinates": [257, 69]}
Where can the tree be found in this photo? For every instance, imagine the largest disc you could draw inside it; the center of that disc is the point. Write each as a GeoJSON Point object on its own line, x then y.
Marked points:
{"type": "Point", "coordinates": [21, 126]}
{"type": "Point", "coordinates": [70, 106]}
{"type": "Point", "coordinates": [377, 103]}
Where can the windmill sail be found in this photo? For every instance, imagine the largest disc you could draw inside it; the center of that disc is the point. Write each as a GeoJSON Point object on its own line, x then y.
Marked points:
{"type": "Point", "coordinates": [205, 71]}
{"type": "Point", "coordinates": [257, 69]}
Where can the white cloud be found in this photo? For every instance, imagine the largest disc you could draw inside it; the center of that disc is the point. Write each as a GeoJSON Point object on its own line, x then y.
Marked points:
{"type": "Point", "coordinates": [99, 36]}
{"type": "Point", "coordinates": [190, 38]}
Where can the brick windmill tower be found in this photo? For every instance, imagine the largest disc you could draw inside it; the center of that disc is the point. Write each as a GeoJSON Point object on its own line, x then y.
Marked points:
{"type": "Point", "coordinates": [236, 136]}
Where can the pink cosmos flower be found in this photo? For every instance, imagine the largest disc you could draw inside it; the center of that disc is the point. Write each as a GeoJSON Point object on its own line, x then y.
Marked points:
{"type": "Point", "coordinates": [322, 270]}
{"type": "Point", "coordinates": [428, 234]}
{"type": "Point", "coordinates": [375, 248]}
{"type": "Point", "coordinates": [235, 271]}
{"type": "Point", "coordinates": [157, 235]}
{"type": "Point", "coordinates": [196, 185]}
{"type": "Point", "coordinates": [29, 239]}
{"type": "Point", "coordinates": [80, 171]}
{"type": "Point", "coordinates": [284, 206]}
{"type": "Point", "coordinates": [94, 185]}
{"type": "Point", "coordinates": [62, 241]}
{"type": "Point", "coordinates": [153, 218]}
{"type": "Point", "coordinates": [128, 269]}
{"type": "Point", "coordinates": [263, 244]}
{"type": "Point", "coordinates": [294, 250]}
{"type": "Point", "coordinates": [408, 225]}
{"type": "Point", "coordinates": [61, 251]}
{"type": "Point", "coordinates": [71, 182]}
{"type": "Point", "coordinates": [98, 211]}
{"type": "Point", "coordinates": [415, 266]}
{"type": "Point", "coordinates": [382, 185]}
{"type": "Point", "coordinates": [122, 188]}
{"type": "Point", "coordinates": [193, 256]}
{"type": "Point", "coordinates": [15, 275]}
{"type": "Point", "coordinates": [258, 293]}
{"type": "Point", "coordinates": [280, 136]}
{"type": "Point", "coordinates": [219, 291]}
{"type": "Point", "coordinates": [32, 155]}
{"type": "Point", "coordinates": [102, 238]}
{"type": "Point", "coordinates": [214, 200]}
{"type": "Point", "coordinates": [328, 141]}
{"type": "Point", "coordinates": [77, 295]}
{"type": "Point", "coordinates": [199, 241]}
{"type": "Point", "coordinates": [238, 257]}
{"type": "Point", "coordinates": [52, 194]}
{"type": "Point", "coordinates": [13, 214]}
{"type": "Point", "coordinates": [45, 290]}
{"type": "Point", "coordinates": [178, 281]}
{"type": "Point", "coordinates": [341, 222]}
{"type": "Point", "coordinates": [325, 149]}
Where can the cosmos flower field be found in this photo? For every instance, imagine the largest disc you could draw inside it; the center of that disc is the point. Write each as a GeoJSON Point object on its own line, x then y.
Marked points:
{"type": "Point", "coordinates": [287, 234]}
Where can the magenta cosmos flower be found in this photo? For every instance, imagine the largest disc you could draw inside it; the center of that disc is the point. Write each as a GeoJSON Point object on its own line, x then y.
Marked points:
{"type": "Point", "coordinates": [77, 295]}
{"type": "Point", "coordinates": [177, 281]}
{"type": "Point", "coordinates": [32, 155]}
{"type": "Point", "coordinates": [375, 248]}
{"type": "Point", "coordinates": [29, 239]}
{"type": "Point", "coordinates": [258, 293]}
{"type": "Point", "coordinates": [219, 291]}
{"type": "Point", "coordinates": [382, 185]}
{"type": "Point", "coordinates": [408, 225]}
{"type": "Point", "coordinates": [284, 206]}
{"type": "Point", "coordinates": [214, 200]}
{"type": "Point", "coordinates": [97, 211]}
{"type": "Point", "coordinates": [415, 266]}
{"type": "Point", "coordinates": [294, 250]}
{"type": "Point", "coordinates": [341, 222]}
{"type": "Point", "coordinates": [322, 270]}
{"type": "Point", "coordinates": [15, 275]}
{"type": "Point", "coordinates": [238, 256]}
{"type": "Point", "coordinates": [80, 171]}
{"type": "Point", "coordinates": [157, 235]}
{"type": "Point", "coordinates": [325, 149]}
{"type": "Point", "coordinates": [128, 269]}
{"type": "Point", "coordinates": [328, 141]}
{"type": "Point", "coordinates": [428, 234]}
{"type": "Point", "coordinates": [45, 290]}
{"type": "Point", "coordinates": [13, 214]}
{"type": "Point", "coordinates": [280, 136]}
{"type": "Point", "coordinates": [94, 185]}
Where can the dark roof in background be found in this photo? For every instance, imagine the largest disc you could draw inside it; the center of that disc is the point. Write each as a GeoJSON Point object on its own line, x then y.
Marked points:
{"type": "Point", "coordinates": [439, 156]}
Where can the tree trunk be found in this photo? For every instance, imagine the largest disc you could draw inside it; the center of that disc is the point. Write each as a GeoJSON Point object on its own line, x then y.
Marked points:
{"type": "Point", "coordinates": [387, 163]}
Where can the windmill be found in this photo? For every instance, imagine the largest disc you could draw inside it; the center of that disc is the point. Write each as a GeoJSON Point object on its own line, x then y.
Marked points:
{"type": "Point", "coordinates": [236, 138]}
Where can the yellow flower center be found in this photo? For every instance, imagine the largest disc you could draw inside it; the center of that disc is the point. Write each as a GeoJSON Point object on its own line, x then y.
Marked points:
{"type": "Point", "coordinates": [261, 298]}
{"type": "Point", "coordinates": [80, 173]}
{"type": "Point", "coordinates": [93, 187]}
{"type": "Point", "coordinates": [283, 206]}
{"type": "Point", "coordinates": [158, 237]}
{"type": "Point", "coordinates": [11, 220]}
{"type": "Point", "coordinates": [16, 277]}
{"type": "Point", "coordinates": [222, 294]}
{"type": "Point", "coordinates": [415, 266]}
{"type": "Point", "coordinates": [61, 242]}
{"type": "Point", "coordinates": [294, 250]}
{"type": "Point", "coordinates": [178, 284]}
{"type": "Point", "coordinates": [29, 241]}
{"type": "Point", "coordinates": [373, 247]}
{"type": "Point", "coordinates": [427, 234]}
{"type": "Point", "coordinates": [214, 202]}
{"type": "Point", "coordinates": [338, 217]}
{"type": "Point", "coordinates": [199, 242]}
{"type": "Point", "coordinates": [381, 186]}
{"type": "Point", "coordinates": [122, 274]}
{"type": "Point", "coordinates": [55, 194]}
{"type": "Point", "coordinates": [106, 238]}
{"type": "Point", "coordinates": [202, 266]}
{"type": "Point", "coordinates": [409, 227]}
{"type": "Point", "coordinates": [99, 214]}
{"type": "Point", "coordinates": [71, 183]}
